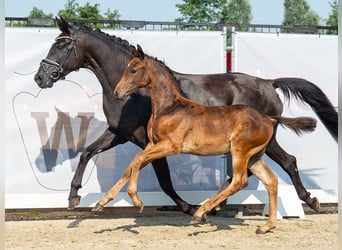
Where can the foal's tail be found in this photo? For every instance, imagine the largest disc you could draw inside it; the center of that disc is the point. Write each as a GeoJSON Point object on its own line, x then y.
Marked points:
{"type": "Point", "coordinates": [298, 124]}
{"type": "Point", "coordinates": [309, 93]}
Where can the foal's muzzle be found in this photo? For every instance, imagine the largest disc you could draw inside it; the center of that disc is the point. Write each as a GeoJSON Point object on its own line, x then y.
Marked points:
{"type": "Point", "coordinates": [117, 96]}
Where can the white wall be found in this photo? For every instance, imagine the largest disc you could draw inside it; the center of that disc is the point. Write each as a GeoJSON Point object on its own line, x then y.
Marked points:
{"type": "Point", "coordinates": [314, 58]}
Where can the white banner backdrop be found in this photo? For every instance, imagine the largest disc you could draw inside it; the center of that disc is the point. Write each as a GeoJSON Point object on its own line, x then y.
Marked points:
{"type": "Point", "coordinates": [46, 130]}
{"type": "Point", "coordinates": [311, 57]}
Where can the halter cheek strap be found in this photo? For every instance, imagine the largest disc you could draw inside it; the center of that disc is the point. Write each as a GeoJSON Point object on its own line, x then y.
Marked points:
{"type": "Point", "coordinates": [57, 70]}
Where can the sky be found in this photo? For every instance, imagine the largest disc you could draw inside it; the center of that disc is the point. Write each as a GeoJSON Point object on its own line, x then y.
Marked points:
{"type": "Point", "coordinates": [263, 11]}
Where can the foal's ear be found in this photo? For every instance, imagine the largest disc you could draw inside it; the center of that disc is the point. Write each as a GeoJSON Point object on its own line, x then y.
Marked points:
{"type": "Point", "coordinates": [141, 52]}
{"type": "Point", "coordinates": [138, 52]}
{"type": "Point", "coordinates": [63, 25]}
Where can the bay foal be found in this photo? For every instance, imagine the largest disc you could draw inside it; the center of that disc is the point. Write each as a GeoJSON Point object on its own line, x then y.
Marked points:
{"type": "Point", "coordinates": [179, 125]}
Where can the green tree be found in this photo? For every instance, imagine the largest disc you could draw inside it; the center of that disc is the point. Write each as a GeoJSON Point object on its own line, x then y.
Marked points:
{"type": "Point", "coordinates": [112, 15]}
{"type": "Point", "coordinates": [237, 12]}
{"type": "Point", "coordinates": [38, 13]}
{"type": "Point", "coordinates": [333, 16]}
{"type": "Point", "coordinates": [70, 10]}
{"type": "Point", "coordinates": [89, 11]}
{"type": "Point", "coordinates": [224, 11]}
{"type": "Point", "coordinates": [201, 11]}
{"type": "Point", "coordinates": [298, 12]}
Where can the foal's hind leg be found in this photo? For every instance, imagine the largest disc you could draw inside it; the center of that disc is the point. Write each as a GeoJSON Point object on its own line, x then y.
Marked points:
{"type": "Point", "coordinates": [288, 163]}
{"type": "Point", "coordinates": [239, 181]}
{"type": "Point", "coordinates": [223, 186]}
{"type": "Point", "coordinates": [270, 181]}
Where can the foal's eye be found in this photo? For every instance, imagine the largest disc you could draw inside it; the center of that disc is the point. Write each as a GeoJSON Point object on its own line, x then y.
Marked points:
{"type": "Point", "coordinates": [133, 71]}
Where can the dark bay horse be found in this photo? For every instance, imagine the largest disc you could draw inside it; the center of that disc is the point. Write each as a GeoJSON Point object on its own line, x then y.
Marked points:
{"type": "Point", "coordinates": [180, 125]}
{"type": "Point", "coordinates": [107, 56]}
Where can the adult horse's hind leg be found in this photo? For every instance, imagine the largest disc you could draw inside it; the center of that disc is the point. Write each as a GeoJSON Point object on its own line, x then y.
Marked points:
{"type": "Point", "coordinates": [106, 141]}
{"type": "Point", "coordinates": [270, 181]}
{"type": "Point", "coordinates": [162, 171]}
{"type": "Point", "coordinates": [288, 163]}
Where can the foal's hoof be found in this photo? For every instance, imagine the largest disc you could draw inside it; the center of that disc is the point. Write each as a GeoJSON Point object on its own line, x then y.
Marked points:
{"type": "Point", "coordinates": [140, 207]}
{"type": "Point", "coordinates": [259, 231]}
{"type": "Point", "coordinates": [74, 202]}
{"type": "Point", "coordinates": [264, 229]}
{"type": "Point", "coordinates": [97, 208]}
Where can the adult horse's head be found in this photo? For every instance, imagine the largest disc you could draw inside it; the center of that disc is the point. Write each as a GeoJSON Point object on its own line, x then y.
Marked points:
{"type": "Point", "coordinates": [134, 76]}
{"type": "Point", "coordinates": [63, 57]}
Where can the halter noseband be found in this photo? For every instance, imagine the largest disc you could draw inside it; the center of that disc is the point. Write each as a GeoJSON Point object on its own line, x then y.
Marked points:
{"type": "Point", "coordinates": [57, 70]}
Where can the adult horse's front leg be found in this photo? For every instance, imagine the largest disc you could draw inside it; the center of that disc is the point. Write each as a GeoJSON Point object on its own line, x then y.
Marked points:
{"type": "Point", "coordinates": [288, 163]}
{"type": "Point", "coordinates": [106, 141]}
{"type": "Point", "coordinates": [162, 171]}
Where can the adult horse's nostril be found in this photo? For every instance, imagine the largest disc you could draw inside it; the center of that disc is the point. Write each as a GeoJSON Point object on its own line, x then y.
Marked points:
{"type": "Point", "coordinates": [38, 79]}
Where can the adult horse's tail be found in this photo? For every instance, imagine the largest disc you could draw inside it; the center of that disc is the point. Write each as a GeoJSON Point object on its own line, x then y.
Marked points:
{"type": "Point", "coordinates": [309, 93]}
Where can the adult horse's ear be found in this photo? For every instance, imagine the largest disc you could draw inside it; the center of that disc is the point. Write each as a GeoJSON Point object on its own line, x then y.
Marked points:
{"type": "Point", "coordinates": [63, 25]}
{"type": "Point", "coordinates": [141, 52]}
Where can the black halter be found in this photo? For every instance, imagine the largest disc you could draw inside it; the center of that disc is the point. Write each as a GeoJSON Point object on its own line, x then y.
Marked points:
{"type": "Point", "coordinates": [57, 68]}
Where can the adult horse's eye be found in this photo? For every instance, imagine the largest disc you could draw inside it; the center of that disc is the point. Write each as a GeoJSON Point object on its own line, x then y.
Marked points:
{"type": "Point", "coordinates": [133, 71]}
{"type": "Point", "coordinates": [60, 45]}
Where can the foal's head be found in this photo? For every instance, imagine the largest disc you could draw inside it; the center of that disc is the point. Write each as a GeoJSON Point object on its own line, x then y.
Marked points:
{"type": "Point", "coordinates": [135, 75]}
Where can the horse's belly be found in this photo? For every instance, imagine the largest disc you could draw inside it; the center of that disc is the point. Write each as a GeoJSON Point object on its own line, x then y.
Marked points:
{"type": "Point", "coordinates": [206, 146]}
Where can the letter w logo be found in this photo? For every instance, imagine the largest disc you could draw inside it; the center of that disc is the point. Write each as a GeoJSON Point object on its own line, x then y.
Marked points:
{"type": "Point", "coordinates": [50, 152]}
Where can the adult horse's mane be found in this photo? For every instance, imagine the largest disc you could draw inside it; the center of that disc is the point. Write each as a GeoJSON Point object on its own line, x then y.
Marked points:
{"type": "Point", "coordinates": [124, 43]}
{"type": "Point", "coordinates": [100, 34]}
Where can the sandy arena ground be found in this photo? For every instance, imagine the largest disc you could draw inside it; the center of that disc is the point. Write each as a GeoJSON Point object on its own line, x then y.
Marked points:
{"type": "Point", "coordinates": [166, 230]}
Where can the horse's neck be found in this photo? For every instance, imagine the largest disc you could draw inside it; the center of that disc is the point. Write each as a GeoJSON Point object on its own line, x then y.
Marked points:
{"type": "Point", "coordinates": [107, 69]}
{"type": "Point", "coordinates": [163, 89]}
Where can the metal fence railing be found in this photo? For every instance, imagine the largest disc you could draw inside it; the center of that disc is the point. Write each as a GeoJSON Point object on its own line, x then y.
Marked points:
{"type": "Point", "coordinates": [158, 25]}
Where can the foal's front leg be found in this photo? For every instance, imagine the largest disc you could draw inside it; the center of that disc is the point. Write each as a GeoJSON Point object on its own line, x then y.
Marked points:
{"type": "Point", "coordinates": [150, 153]}
{"type": "Point", "coordinates": [113, 191]}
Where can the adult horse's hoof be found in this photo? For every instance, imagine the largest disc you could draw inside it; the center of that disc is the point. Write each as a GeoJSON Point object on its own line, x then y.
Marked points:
{"type": "Point", "coordinates": [185, 208]}
{"type": "Point", "coordinates": [74, 202]}
{"type": "Point", "coordinates": [198, 219]}
{"type": "Point", "coordinates": [191, 209]}
{"type": "Point", "coordinates": [97, 208]}
{"type": "Point", "coordinates": [315, 204]}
